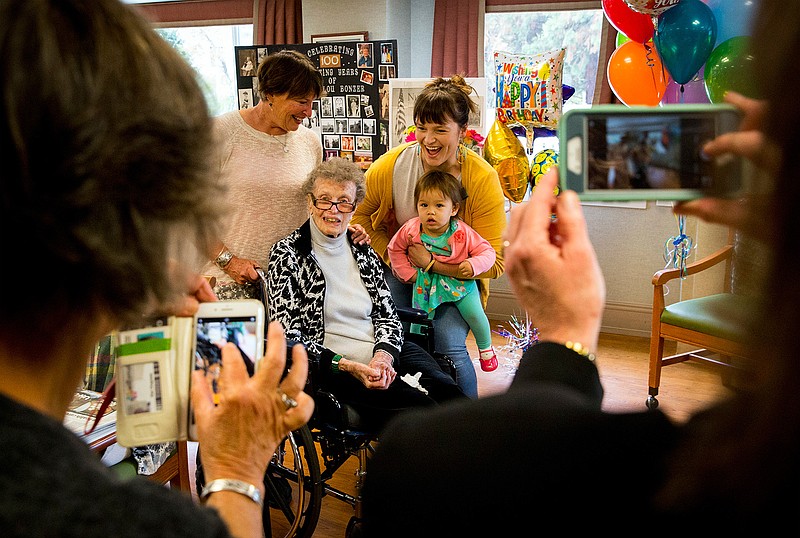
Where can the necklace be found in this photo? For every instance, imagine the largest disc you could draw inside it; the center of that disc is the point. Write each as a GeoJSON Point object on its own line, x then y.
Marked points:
{"type": "Point", "coordinates": [281, 142]}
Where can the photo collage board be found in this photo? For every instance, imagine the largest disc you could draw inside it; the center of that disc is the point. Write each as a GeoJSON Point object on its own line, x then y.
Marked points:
{"type": "Point", "coordinates": [352, 116]}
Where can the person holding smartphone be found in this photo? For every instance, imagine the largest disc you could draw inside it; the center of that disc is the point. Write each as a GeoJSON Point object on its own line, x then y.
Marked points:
{"type": "Point", "coordinates": [110, 183]}
{"type": "Point", "coordinates": [731, 469]}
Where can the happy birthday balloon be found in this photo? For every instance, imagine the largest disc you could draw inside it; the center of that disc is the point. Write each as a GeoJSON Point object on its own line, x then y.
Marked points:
{"type": "Point", "coordinates": [529, 89]}
{"type": "Point", "coordinates": [503, 150]}
{"type": "Point", "coordinates": [651, 7]}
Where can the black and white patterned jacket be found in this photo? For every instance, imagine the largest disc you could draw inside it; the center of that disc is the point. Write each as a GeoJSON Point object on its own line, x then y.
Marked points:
{"type": "Point", "coordinates": [296, 288]}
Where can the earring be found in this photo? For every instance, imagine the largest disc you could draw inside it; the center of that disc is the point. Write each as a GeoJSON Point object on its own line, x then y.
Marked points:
{"type": "Point", "coordinates": [418, 149]}
{"type": "Point", "coordinates": [462, 154]}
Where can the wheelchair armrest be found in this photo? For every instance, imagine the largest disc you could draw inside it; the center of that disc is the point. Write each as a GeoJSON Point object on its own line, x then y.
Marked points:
{"type": "Point", "coordinates": [412, 315]}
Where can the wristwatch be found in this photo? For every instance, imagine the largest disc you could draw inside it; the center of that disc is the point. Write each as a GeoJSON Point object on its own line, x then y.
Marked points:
{"type": "Point", "coordinates": [223, 258]}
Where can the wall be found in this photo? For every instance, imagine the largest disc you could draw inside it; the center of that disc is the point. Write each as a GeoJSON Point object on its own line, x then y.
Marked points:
{"type": "Point", "coordinates": [410, 22]}
{"type": "Point", "coordinates": [629, 242]}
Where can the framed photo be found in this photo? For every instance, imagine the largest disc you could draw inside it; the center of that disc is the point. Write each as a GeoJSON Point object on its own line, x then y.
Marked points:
{"type": "Point", "coordinates": [403, 93]}
{"type": "Point", "coordinates": [344, 36]}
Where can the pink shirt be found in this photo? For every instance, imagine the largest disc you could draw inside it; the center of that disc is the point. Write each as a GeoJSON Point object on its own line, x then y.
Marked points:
{"type": "Point", "coordinates": [465, 244]}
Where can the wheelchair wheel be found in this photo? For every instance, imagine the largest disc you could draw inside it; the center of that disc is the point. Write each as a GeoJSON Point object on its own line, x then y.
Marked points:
{"type": "Point", "coordinates": [294, 487]}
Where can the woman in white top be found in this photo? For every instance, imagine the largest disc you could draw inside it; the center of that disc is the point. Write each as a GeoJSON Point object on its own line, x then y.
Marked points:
{"type": "Point", "coordinates": [266, 154]}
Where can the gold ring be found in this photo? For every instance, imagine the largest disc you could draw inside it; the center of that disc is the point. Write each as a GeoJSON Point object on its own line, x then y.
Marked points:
{"type": "Point", "coordinates": [287, 400]}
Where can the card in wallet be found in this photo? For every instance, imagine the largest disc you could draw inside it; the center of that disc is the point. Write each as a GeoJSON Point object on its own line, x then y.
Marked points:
{"type": "Point", "coordinates": [154, 366]}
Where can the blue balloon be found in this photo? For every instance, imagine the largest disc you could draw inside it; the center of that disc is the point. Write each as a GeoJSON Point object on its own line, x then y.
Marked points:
{"type": "Point", "coordinates": [734, 17]}
{"type": "Point", "coordinates": [685, 36]}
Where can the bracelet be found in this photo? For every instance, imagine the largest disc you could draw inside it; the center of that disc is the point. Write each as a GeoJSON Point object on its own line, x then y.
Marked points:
{"type": "Point", "coordinates": [428, 268]}
{"type": "Point", "coordinates": [223, 258]}
{"type": "Point", "coordinates": [237, 486]}
{"type": "Point", "coordinates": [335, 363]}
{"type": "Point", "coordinates": [578, 348]}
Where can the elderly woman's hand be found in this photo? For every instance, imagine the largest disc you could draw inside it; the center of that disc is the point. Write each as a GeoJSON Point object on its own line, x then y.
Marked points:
{"type": "Point", "coordinates": [370, 377]}
{"type": "Point", "coordinates": [254, 414]}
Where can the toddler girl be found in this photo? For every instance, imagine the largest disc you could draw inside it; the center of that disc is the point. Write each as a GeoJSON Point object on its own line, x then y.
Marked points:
{"type": "Point", "coordinates": [455, 249]}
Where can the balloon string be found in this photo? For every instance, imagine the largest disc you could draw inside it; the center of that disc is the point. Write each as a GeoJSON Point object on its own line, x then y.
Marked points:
{"type": "Point", "coordinates": [677, 249]}
{"type": "Point", "coordinates": [648, 53]}
{"type": "Point", "coordinates": [682, 97]}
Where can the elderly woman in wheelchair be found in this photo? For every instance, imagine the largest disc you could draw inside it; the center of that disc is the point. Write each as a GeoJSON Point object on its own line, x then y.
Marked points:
{"type": "Point", "coordinates": [331, 296]}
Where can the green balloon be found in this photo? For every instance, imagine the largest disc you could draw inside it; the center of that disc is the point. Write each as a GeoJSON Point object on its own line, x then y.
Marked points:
{"type": "Point", "coordinates": [621, 39]}
{"type": "Point", "coordinates": [731, 66]}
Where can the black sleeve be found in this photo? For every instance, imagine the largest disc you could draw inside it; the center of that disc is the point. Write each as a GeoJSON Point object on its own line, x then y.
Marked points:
{"type": "Point", "coordinates": [551, 363]}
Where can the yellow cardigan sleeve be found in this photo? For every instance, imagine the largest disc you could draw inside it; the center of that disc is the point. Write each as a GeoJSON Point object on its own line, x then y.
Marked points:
{"type": "Point", "coordinates": [484, 211]}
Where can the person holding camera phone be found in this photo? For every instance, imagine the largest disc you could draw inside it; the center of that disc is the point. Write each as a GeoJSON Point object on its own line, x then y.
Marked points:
{"type": "Point", "coordinates": [110, 183]}
{"type": "Point", "coordinates": [730, 469]}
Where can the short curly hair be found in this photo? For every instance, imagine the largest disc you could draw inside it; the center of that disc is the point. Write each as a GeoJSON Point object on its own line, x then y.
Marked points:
{"type": "Point", "coordinates": [105, 140]}
{"type": "Point", "coordinates": [338, 170]}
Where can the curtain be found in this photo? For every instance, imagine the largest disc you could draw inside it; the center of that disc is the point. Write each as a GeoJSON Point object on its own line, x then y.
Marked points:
{"type": "Point", "coordinates": [457, 38]}
{"type": "Point", "coordinates": [198, 11]}
{"type": "Point", "coordinates": [278, 22]}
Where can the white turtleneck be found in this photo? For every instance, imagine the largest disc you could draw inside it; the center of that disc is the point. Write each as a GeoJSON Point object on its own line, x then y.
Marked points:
{"type": "Point", "coordinates": [348, 325]}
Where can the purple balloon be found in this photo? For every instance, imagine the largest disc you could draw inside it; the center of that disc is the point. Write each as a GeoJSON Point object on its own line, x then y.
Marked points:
{"type": "Point", "coordinates": [567, 92]}
{"type": "Point", "coordinates": [694, 91]}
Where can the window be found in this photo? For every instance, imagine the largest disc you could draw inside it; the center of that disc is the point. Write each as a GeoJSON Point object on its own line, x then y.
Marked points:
{"type": "Point", "coordinates": [210, 51]}
{"type": "Point", "coordinates": [533, 32]}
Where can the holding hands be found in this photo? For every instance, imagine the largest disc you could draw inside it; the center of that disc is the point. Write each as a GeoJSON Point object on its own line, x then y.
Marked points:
{"type": "Point", "coordinates": [378, 374]}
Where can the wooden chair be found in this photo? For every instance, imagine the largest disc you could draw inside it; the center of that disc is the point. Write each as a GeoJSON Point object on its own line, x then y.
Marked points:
{"type": "Point", "coordinates": [714, 323]}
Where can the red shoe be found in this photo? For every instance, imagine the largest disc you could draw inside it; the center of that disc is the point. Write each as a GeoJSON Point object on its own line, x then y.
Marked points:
{"type": "Point", "coordinates": [488, 364]}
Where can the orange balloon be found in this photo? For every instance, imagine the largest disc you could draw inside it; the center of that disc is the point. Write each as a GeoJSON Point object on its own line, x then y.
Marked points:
{"type": "Point", "coordinates": [636, 74]}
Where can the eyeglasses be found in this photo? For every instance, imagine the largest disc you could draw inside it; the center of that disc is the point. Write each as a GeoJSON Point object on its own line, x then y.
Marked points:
{"type": "Point", "coordinates": [343, 207]}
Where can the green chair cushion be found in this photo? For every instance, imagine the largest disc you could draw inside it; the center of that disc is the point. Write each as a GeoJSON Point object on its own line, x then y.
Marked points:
{"type": "Point", "coordinates": [126, 469]}
{"type": "Point", "coordinates": [723, 315]}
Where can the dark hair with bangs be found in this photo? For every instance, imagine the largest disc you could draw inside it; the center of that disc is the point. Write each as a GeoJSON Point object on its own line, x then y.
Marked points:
{"type": "Point", "coordinates": [288, 72]}
{"type": "Point", "coordinates": [444, 182]}
{"type": "Point", "coordinates": [443, 100]}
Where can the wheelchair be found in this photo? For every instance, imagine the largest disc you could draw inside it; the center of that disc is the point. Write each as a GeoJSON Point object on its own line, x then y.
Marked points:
{"type": "Point", "coordinates": [297, 479]}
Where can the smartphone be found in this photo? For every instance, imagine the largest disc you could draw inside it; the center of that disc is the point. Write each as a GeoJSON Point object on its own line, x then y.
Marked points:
{"type": "Point", "coordinates": [240, 321]}
{"type": "Point", "coordinates": [619, 153]}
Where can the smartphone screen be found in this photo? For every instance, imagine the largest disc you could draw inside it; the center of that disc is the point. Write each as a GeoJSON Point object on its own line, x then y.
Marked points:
{"type": "Point", "coordinates": [215, 332]}
{"type": "Point", "coordinates": [644, 153]}
{"type": "Point", "coordinates": [650, 152]}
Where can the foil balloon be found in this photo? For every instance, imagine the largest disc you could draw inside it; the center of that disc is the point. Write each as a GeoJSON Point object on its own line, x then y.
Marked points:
{"type": "Point", "coordinates": [542, 162]}
{"type": "Point", "coordinates": [503, 150]}
{"type": "Point", "coordinates": [529, 89]}
{"type": "Point", "coordinates": [651, 7]}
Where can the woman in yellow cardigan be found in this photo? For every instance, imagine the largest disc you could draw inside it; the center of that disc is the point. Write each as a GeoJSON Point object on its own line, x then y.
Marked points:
{"type": "Point", "coordinates": [441, 112]}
